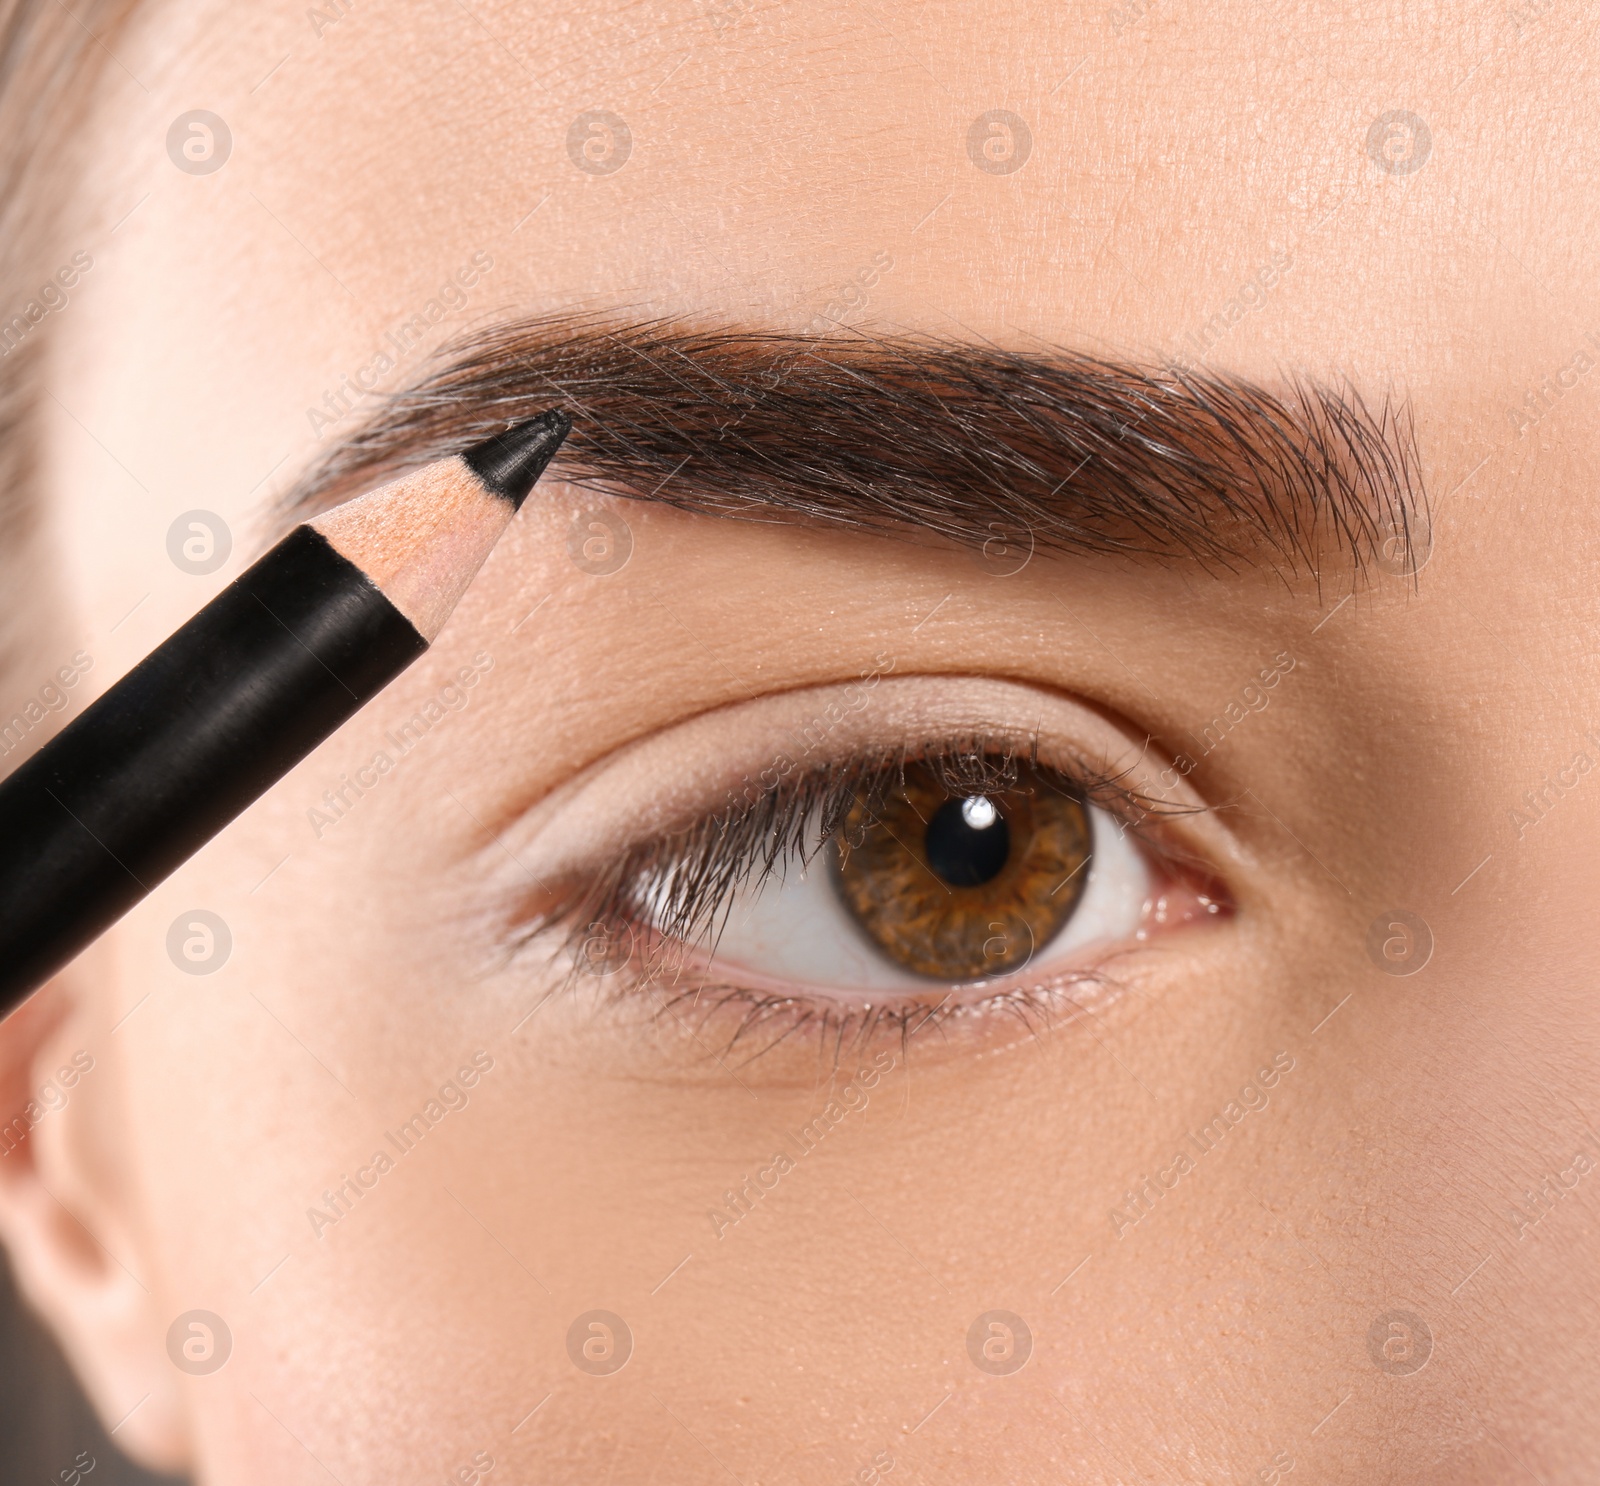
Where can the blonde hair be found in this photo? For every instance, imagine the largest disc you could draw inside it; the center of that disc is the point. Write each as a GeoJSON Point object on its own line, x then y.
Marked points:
{"type": "Point", "coordinates": [51, 60]}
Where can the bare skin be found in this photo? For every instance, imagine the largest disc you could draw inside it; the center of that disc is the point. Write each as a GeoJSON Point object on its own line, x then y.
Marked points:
{"type": "Point", "coordinates": [1221, 1326]}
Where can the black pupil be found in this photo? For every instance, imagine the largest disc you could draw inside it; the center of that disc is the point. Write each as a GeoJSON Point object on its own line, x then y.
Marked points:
{"type": "Point", "coordinates": [968, 842]}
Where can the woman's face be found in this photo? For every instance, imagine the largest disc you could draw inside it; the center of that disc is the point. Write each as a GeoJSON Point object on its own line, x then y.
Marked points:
{"type": "Point", "coordinates": [1276, 1156]}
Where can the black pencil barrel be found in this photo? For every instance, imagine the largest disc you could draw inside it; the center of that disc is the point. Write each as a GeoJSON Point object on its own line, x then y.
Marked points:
{"type": "Point", "coordinates": [183, 743]}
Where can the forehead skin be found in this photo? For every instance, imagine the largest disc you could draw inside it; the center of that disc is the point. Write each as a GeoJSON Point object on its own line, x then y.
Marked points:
{"type": "Point", "coordinates": [803, 160]}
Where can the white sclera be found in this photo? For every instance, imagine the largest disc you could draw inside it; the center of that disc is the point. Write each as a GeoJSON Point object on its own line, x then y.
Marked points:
{"type": "Point", "coordinates": [793, 931]}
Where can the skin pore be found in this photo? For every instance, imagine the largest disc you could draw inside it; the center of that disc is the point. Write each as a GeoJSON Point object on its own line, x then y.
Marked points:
{"type": "Point", "coordinates": [1404, 1144]}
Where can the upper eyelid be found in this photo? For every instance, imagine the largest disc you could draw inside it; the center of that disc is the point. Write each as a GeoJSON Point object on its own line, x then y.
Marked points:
{"type": "Point", "coordinates": [664, 781]}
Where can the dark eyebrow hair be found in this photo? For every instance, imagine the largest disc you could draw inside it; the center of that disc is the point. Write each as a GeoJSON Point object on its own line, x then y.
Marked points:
{"type": "Point", "coordinates": [917, 434]}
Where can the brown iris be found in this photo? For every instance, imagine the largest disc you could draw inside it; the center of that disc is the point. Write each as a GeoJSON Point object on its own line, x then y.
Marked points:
{"type": "Point", "coordinates": [958, 880]}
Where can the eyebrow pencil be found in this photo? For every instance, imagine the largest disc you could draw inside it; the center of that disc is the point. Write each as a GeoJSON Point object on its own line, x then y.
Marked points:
{"type": "Point", "coordinates": [221, 710]}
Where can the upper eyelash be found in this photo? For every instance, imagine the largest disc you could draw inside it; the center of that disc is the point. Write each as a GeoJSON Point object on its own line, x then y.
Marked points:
{"type": "Point", "coordinates": [690, 876]}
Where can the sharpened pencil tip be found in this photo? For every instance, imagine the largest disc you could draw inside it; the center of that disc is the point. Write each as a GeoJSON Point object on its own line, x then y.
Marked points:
{"type": "Point", "coordinates": [510, 462]}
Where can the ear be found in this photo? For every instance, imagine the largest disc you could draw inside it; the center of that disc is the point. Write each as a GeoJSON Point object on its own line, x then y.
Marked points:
{"type": "Point", "coordinates": [66, 1209]}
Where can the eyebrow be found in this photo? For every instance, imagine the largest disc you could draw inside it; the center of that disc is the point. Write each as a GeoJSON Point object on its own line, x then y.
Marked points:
{"type": "Point", "coordinates": [911, 434]}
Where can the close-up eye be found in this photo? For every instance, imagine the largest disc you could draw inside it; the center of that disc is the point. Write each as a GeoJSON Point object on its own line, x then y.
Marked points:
{"type": "Point", "coordinates": [945, 879]}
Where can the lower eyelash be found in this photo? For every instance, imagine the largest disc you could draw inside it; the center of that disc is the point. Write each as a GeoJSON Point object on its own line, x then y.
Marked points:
{"type": "Point", "coordinates": [1039, 1010]}
{"type": "Point", "coordinates": [730, 1021]}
